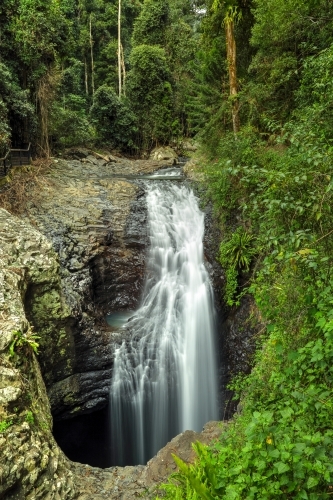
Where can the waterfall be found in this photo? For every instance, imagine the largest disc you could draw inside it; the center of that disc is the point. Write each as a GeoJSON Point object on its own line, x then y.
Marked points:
{"type": "Point", "coordinates": [164, 379]}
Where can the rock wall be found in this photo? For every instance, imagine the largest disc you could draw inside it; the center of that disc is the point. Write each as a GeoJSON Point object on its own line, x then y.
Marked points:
{"type": "Point", "coordinates": [95, 220]}
{"type": "Point", "coordinates": [237, 326]}
{"type": "Point", "coordinates": [31, 465]}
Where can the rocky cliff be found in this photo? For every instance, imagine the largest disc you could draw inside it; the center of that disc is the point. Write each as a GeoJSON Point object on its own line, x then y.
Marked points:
{"type": "Point", "coordinates": [32, 466]}
{"type": "Point", "coordinates": [95, 221]}
{"type": "Point", "coordinates": [75, 255]}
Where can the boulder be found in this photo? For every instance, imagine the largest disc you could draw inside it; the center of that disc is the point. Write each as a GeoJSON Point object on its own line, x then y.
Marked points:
{"type": "Point", "coordinates": [76, 153]}
{"type": "Point", "coordinates": [126, 483]}
{"type": "Point", "coordinates": [189, 146]}
{"type": "Point", "coordinates": [165, 154]}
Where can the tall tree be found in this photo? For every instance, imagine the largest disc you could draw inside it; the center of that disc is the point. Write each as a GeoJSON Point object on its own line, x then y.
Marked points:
{"type": "Point", "coordinates": [119, 51]}
{"type": "Point", "coordinates": [232, 12]}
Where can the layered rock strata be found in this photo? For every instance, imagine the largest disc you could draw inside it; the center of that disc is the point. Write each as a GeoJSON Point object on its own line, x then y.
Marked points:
{"type": "Point", "coordinates": [95, 219]}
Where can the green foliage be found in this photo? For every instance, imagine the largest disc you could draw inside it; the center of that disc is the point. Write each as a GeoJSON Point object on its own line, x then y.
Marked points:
{"type": "Point", "coordinates": [23, 342]}
{"type": "Point", "coordinates": [69, 120]}
{"type": "Point", "coordinates": [4, 425]}
{"type": "Point", "coordinates": [51, 28]}
{"type": "Point", "coordinates": [151, 24]}
{"type": "Point", "coordinates": [55, 68]}
{"type": "Point", "coordinates": [281, 445]}
{"type": "Point", "coordinates": [235, 256]}
{"type": "Point", "coordinates": [69, 128]}
{"type": "Point", "coordinates": [237, 251]}
{"type": "Point", "coordinates": [284, 34]}
{"type": "Point", "coordinates": [150, 94]}
{"type": "Point", "coordinates": [115, 123]}
{"type": "Point", "coordinates": [14, 104]}
{"type": "Point", "coordinates": [29, 417]}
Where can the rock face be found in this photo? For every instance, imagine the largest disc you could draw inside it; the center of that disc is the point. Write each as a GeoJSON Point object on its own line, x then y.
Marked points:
{"type": "Point", "coordinates": [31, 465]}
{"type": "Point", "coordinates": [95, 220]}
{"type": "Point", "coordinates": [237, 326]}
{"type": "Point", "coordinates": [77, 255]}
{"type": "Point", "coordinates": [126, 483]}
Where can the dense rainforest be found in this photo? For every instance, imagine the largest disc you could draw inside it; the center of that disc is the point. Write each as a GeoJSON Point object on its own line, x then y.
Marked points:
{"type": "Point", "coordinates": [252, 81]}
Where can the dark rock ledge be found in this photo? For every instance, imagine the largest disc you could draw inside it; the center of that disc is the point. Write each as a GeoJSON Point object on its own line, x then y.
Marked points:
{"type": "Point", "coordinates": [126, 483]}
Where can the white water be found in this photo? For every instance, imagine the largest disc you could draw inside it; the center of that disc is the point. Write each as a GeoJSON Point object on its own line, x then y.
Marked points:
{"type": "Point", "coordinates": [164, 379]}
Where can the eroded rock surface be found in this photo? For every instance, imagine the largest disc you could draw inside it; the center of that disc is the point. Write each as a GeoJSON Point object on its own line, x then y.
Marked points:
{"type": "Point", "coordinates": [31, 465]}
{"type": "Point", "coordinates": [90, 263]}
{"type": "Point", "coordinates": [127, 483]}
{"type": "Point", "coordinates": [96, 221]}
{"type": "Point", "coordinates": [166, 154]}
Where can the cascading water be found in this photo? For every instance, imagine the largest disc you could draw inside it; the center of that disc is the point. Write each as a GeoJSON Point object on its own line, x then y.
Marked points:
{"type": "Point", "coordinates": [164, 379]}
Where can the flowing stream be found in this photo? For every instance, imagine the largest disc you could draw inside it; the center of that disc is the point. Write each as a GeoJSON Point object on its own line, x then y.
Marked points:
{"type": "Point", "coordinates": [164, 379]}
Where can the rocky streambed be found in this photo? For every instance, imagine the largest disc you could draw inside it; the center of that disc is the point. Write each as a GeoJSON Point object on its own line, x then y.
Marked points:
{"type": "Point", "coordinates": [76, 255]}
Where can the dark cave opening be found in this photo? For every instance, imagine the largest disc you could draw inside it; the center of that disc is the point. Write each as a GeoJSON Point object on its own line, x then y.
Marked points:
{"type": "Point", "coordinates": [85, 438]}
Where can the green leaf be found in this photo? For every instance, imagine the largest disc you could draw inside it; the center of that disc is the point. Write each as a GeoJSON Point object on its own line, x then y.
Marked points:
{"type": "Point", "coordinates": [196, 484]}
{"type": "Point", "coordinates": [312, 481]}
{"type": "Point", "coordinates": [281, 467]}
{"type": "Point", "coordinates": [274, 453]}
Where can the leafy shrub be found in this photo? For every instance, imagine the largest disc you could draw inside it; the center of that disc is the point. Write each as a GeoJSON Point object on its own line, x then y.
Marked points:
{"type": "Point", "coordinates": [14, 104]}
{"type": "Point", "coordinates": [281, 446]}
{"type": "Point", "coordinates": [150, 94]}
{"type": "Point", "coordinates": [22, 341]}
{"type": "Point", "coordinates": [149, 27]}
{"type": "Point", "coordinates": [235, 256]}
{"type": "Point", "coordinates": [69, 126]}
{"type": "Point", "coordinates": [114, 121]}
{"type": "Point", "coordinates": [237, 251]}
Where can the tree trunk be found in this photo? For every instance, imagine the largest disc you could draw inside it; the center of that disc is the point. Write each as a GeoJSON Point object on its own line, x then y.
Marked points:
{"type": "Point", "coordinates": [232, 68]}
{"type": "Point", "coordinates": [119, 50]}
{"type": "Point", "coordinates": [86, 76]}
{"type": "Point", "coordinates": [123, 70]}
{"type": "Point", "coordinates": [46, 92]}
{"type": "Point", "coordinates": [92, 60]}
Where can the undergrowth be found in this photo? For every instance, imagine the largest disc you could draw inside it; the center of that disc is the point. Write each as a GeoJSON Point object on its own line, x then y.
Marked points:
{"type": "Point", "coordinates": [23, 186]}
{"type": "Point", "coordinates": [281, 445]}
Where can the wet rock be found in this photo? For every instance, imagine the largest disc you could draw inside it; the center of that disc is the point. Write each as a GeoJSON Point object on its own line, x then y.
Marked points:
{"type": "Point", "coordinates": [94, 217]}
{"type": "Point", "coordinates": [112, 159]}
{"type": "Point", "coordinates": [237, 327]}
{"type": "Point", "coordinates": [96, 224]}
{"type": "Point", "coordinates": [90, 263]}
{"type": "Point", "coordinates": [93, 160]}
{"type": "Point", "coordinates": [76, 153]}
{"type": "Point", "coordinates": [189, 146]}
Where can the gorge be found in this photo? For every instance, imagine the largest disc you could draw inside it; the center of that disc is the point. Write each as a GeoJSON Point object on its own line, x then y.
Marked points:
{"type": "Point", "coordinates": [94, 216]}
